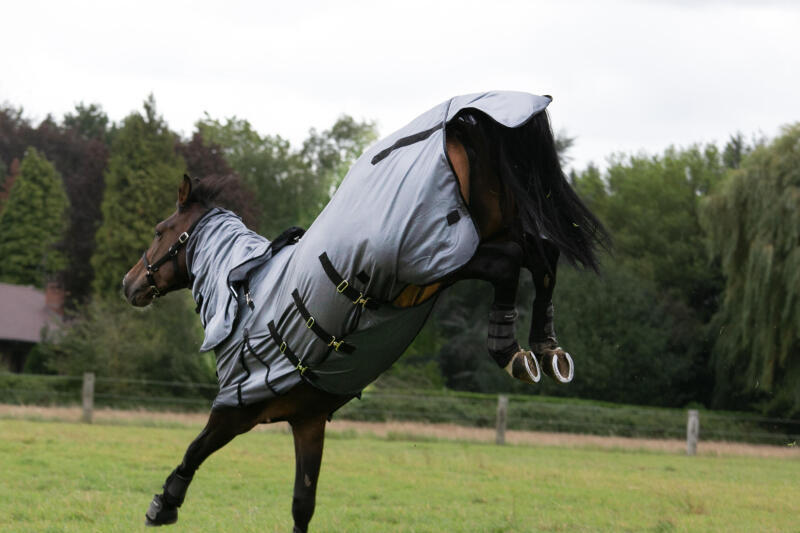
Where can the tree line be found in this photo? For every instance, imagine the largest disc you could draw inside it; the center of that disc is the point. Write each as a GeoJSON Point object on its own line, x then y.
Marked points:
{"type": "Point", "coordinates": [698, 303]}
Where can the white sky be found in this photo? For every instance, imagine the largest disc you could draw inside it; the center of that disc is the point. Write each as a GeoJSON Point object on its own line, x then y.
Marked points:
{"type": "Point", "coordinates": [626, 75]}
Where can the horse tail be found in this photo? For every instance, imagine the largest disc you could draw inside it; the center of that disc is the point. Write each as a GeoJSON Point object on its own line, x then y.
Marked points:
{"type": "Point", "coordinates": [538, 201]}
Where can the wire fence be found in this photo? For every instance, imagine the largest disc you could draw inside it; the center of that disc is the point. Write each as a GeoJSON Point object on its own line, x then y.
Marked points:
{"type": "Point", "coordinates": [529, 413]}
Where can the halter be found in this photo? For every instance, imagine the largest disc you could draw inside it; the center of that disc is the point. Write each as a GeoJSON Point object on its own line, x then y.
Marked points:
{"type": "Point", "coordinates": [172, 254]}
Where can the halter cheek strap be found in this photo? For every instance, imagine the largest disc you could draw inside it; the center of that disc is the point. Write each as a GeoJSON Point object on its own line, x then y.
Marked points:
{"type": "Point", "coordinates": [172, 254]}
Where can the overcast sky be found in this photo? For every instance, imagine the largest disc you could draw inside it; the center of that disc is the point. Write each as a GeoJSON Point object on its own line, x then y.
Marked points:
{"type": "Point", "coordinates": [626, 76]}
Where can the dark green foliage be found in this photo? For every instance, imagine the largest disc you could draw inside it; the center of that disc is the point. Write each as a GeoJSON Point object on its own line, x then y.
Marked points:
{"type": "Point", "coordinates": [652, 211]}
{"type": "Point", "coordinates": [629, 343]}
{"type": "Point", "coordinates": [90, 121]}
{"type": "Point", "coordinates": [754, 223]}
{"type": "Point", "coordinates": [206, 159]}
{"type": "Point", "coordinates": [113, 339]}
{"type": "Point", "coordinates": [80, 161]}
{"type": "Point", "coordinates": [32, 223]}
{"type": "Point", "coordinates": [291, 187]}
{"type": "Point", "coordinates": [143, 174]}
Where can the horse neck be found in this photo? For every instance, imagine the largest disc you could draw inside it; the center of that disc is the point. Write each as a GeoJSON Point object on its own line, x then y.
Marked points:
{"type": "Point", "coordinates": [210, 251]}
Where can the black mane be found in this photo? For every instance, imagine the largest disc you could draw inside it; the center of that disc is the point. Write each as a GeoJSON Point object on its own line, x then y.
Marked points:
{"type": "Point", "coordinates": [226, 191]}
{"type": "Point", "coordinates": [536, 189]}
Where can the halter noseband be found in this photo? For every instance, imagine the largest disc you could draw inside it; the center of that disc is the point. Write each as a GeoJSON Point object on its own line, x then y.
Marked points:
{"type": "Point", "coordinates": [172, 254]}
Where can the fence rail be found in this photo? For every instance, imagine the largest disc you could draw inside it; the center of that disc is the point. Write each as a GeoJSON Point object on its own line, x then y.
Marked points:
{"type": "Point", "coordinates": [467, 409]}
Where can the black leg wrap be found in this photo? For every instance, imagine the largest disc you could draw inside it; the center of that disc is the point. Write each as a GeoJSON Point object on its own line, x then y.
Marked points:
{"type": "Point", "coordinates": [175, 488]}
{"type": "Point", "coordinates": [502, 342]}
{"type": "Point", "coordinates": [159, 513]}
{"type": "Point", "coordinates": [548, 330]}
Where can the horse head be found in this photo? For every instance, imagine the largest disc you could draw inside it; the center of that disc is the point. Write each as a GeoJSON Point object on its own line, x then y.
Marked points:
{"type": "Point", "coordinates": [162, 267]}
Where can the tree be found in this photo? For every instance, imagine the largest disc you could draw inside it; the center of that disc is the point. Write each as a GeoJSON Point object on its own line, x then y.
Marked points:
{"type": "Point", "coordinates": [32, 223]}
{"type": "Point", "coordinates": [291, 187]}
{"type": "Point", "coordinates": [754, 223]}
{"type": "Point", "coordinates": [114, 339]}
{"type": "Point", "coordinates": [7, 178]}
{"type": "Point", "coordinates": [205, 160]}
{"type": "Point", "coordinates": [143, 172]}
{"type": "Point", "coordinates": [90, 122]}
{"type": "Point", "coordinates": [81, 162]}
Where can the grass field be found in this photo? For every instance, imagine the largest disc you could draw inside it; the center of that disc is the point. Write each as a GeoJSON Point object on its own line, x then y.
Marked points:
{"type": "Point", "coordinates": [72, 477]}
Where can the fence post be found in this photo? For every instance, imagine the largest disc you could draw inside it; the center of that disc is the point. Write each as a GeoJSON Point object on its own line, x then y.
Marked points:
{"type": "Point", "coordinates": [502, 416]}
{"type": "Point", "coordinates": [692, 431]}
{"type": "Point", "coordinates": [88, 396]}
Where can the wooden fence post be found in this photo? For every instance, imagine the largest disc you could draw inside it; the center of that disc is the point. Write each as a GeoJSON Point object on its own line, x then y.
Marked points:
{"type": "Point", "coordinates": [692, 431]}
{"type": "Point", "coordinates": [88, 396]}
{"type": "Point", "coordinates": [502, 416]}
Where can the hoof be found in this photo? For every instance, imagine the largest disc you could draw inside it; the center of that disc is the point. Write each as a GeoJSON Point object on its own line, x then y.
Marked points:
{"type": "Point", "coordinates": [159, 514]}
{"type": "Point", "coordinates": [524, 367]}
{"type": "Point", "coordinates": [558, 365]}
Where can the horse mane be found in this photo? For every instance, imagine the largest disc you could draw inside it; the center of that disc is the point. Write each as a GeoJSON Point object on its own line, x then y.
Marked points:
{"type": "Point", "coordinates": [226, 191]}
{"type": "Point", "coordinates": [537, 201]}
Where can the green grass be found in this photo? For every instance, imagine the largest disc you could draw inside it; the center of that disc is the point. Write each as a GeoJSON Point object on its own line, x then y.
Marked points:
{"type": "Point", "coordinates": [73, 477]}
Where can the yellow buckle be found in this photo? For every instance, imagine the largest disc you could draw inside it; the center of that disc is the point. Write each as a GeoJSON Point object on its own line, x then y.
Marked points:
{"type": "Point", "coordinates": [310, 322]}
{"type": "Point", "coordinates": [335, 344]}
{"type": "Point", "coordinates": [341, 287]}
{"type": "Point", "coordinates": [361, 300]}
{"type": "Point", "coordinates": [301, 368]}
{"type": "Point", "coordinates": [283, 346]}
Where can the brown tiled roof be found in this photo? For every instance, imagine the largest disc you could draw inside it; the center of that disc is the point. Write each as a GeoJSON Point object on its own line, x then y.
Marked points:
{"type": "Point", "coordinates": [23, 313]}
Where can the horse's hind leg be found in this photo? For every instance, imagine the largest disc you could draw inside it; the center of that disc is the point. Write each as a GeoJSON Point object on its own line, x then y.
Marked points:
{"type": "Point", "coordinates": [223, 425]}
{"type": "Point", "coordinates": [309, 437]}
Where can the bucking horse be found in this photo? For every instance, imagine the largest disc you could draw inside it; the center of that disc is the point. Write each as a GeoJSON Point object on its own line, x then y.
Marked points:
{"type": "Point", "coordinates": [471, 189]}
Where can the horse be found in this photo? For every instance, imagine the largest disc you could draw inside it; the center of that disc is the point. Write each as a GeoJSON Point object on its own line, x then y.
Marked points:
{"type": "Point", "coordinates": [471, 189]}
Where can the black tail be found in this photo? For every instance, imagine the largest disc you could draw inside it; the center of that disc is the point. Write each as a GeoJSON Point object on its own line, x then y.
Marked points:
{"type": "Point", "coordinates": [539, 202]}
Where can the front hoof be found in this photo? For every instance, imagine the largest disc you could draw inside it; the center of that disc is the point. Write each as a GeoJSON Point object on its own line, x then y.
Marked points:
{"type": "Point", "coordinates": [558, 365]}
{"type": "Point", "coordinates": [524, 367]}
{"type": "Point", "coordinates": [159, 513]}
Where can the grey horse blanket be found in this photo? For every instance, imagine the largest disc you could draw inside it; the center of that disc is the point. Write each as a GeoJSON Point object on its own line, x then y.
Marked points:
{"type": "Point", "coordinates": [320, 310]}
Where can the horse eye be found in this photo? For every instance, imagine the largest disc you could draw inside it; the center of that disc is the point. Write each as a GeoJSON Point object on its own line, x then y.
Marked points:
{"type": "Point", "coordinates": [158, 234]}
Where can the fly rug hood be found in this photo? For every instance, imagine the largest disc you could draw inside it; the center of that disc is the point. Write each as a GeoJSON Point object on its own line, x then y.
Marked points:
{"type": "Point", "coordinates": [471, 189]}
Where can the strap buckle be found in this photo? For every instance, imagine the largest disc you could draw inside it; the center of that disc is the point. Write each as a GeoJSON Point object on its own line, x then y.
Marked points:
{"type": "Point", "coordinates": [183, 237]}
{"type": "Point", "coordinates": [361, 300]}
{"type": "Point", "coordinates": [302, 368]}
{"type": "Point", "coordinates": [283, 347]}
{"type": "Point", "coordinates": [310, 322]}
{"type": "Point", "coordinates": [342, 286]}
{"type": "Point", "coordinates": [335, 343]}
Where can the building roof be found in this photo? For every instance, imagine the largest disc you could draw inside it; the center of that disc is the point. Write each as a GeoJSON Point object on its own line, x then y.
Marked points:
{"type": "Point", "coordinates": [23, 313]}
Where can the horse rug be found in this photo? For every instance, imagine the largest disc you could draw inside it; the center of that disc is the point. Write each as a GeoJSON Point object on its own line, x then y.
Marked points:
{"type": "Point", "coordinates": [321, 309]}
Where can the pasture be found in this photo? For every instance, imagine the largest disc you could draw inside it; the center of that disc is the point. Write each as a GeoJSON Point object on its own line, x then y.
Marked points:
{"type": "Point", "coordinates": [73, 477]}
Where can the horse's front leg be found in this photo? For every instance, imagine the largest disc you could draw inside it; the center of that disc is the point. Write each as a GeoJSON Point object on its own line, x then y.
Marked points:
{"type": "Point", "coordinates": [499, 264]}
{"type": "Point", "coordinates": [554, 361]}
{"type": "Point", "coordinates": [223, 425]}
{"type": "Point", "coordinates": [309, 437]}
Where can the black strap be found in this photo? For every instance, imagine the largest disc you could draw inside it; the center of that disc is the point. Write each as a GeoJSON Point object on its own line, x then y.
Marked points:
{"type": "Point", "coordinates": [290, 355]}
{"type": "Point", "coordinates": [343, 286]}
{"type": "Point", "coordinates": [405, 141]}
{"type": "Point", "coordinates": [311, 323]}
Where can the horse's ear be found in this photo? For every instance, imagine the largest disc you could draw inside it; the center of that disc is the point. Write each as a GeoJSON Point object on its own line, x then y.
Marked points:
{"type": "Point", "coordinates": [185, 190]}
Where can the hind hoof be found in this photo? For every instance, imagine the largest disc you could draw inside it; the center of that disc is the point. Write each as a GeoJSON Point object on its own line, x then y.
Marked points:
{"type": "Point", "coordinates": [159, 514]}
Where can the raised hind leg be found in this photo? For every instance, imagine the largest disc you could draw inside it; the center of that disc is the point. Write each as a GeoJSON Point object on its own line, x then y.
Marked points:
{"type": "Point", "coordinates": [309, 436]}
{"type": "Point", "coordinates": [223, 425]}
{"type": "Point", "coordinates": [554, 361]}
